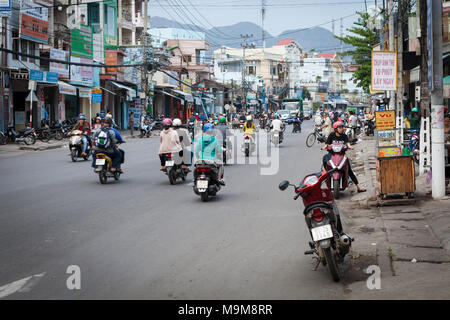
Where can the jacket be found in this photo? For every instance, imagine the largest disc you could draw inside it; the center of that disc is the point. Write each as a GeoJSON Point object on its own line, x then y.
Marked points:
{"type": "Point", "coordinates": [170, 142]}
{"type": "Point", "coordinates": [207, 148]}
{"type": "Point", "coordinates": [184, 133]}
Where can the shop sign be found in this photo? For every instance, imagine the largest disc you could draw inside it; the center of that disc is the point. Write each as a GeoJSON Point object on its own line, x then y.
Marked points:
{"type": "Point", "coordinates": [96, 95]}
{"type": "Point", "coordinates": [34, 22]}
{"type": "Point", "coordinates": [61, 69]}
{"type": "Point", "coordinates": [43, 76]}
{"type": "Point", "coordinates": [384, 70]}
{"type": "Point", "coordinates": [389, 152]}
{"type": "Point", "coordinates": [385, 120]}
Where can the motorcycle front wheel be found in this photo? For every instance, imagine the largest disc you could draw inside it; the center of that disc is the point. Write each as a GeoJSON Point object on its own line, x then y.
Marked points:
{"type": "Point", "coordinates": [310, 140]}
{"type": "Point", "coordinates": [336, 188]}
{"type": "Point", "coordinates": [332, 265]}
{"type": "Point", "coordinates": [30, 139]}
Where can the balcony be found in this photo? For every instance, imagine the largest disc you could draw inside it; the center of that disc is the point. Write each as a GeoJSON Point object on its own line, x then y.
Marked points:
{"type": "Point", "coordinates": [138, 20]}
{"type": "Point", "coordinates": [127, 21]}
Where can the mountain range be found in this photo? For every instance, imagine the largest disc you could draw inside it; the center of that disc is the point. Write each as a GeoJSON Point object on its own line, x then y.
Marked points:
{"type": "Point", "coordinates": [317, 38]}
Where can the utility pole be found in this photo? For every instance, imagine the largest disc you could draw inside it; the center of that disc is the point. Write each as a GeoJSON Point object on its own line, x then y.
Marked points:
{"type": "Point", "coordinates": [390, 10]}
{"type": "Point", "coordinates": [437, 104]}
{"type": "Point", "coordinates": [145, 57]}
{"type": "Point", "coordinates": [244, 68]}
{"type": "Point", "coordinates": [263, 16]}
{"type": "Point", "coordinates": [399, 111]}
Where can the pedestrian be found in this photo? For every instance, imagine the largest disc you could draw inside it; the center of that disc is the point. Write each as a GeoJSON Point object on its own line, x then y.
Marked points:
{"type": "Point", "coordinates": [131, 122]}
{"type": "Point", "coordinates": [327, 126]}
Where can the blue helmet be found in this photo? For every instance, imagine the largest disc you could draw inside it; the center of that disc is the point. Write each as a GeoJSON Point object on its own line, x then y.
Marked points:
{"type": "Point", "coordinates": [82, 116]}
{"type": "Point", "coordinates": [277, 116]}
{"type": "Point", "coordinates": [208, 127]}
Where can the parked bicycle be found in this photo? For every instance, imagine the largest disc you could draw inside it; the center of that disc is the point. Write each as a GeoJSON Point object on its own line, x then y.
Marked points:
{"type": "Point", "coordinates": [316, 135]}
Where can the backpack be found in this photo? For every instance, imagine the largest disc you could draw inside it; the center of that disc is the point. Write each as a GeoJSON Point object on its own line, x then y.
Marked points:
{"type": "Point", "coordinates": [104, 138]}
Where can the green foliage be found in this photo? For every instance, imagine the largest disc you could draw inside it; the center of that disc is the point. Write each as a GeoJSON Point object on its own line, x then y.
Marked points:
{"type": "Point", "coordinates": [316, 105]}
{"type": "Point", "coordinates": [306, 95]}
{"type": "Point", "coordinates": [362, 39]}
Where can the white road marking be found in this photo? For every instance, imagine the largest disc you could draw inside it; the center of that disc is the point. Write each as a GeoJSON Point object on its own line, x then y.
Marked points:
{"type": "Point", "coordinates": [22, 285]}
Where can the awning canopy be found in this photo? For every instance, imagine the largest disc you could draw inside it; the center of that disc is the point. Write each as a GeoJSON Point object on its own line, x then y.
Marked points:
{"type": "Point", "coordinates": [188, 97]}
{"type": "Point", "coordinates": [67, 89]}
{"type": "Point", "coordinates": [131, 91]}
{"type": "Point", "coordinates": [168, 94]}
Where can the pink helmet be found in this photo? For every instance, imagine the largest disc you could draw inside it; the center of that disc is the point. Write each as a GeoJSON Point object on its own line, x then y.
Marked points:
{"type": "Point", "coordinates": [167, 122]}
{"type": "Point", "coordinates": [337, 124]}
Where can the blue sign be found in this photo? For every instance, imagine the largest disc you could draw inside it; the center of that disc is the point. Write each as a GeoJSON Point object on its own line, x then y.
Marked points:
{"type": "Point", "coordinates": [96, 97]}
{"type": "Point", "coordinates": [430, 43]}
{"type": "Point", "coordinates": [36, 75]}
{"type": "Point", "coordinates": [51, 77]}
{"type": "Point", "coordinates": [5, 8]}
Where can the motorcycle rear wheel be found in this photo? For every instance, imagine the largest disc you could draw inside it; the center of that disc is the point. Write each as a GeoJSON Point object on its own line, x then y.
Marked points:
{"type": "Point", "coordinates": [332, 265]}
{"type": "Point", "coordinates": [102, 176]}
{"type": "Point", "coordinates": [310, 140]}
{"type": "Point", "coordinates": [73, 155]}
{"type": "Point", "coordinates": [204, 196]}
{"type": "Point", "coordinates": [172, 178]}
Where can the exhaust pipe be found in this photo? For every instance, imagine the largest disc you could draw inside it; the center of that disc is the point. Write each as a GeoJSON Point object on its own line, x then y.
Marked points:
{"type": "Point", "coordinates": [346, 240]}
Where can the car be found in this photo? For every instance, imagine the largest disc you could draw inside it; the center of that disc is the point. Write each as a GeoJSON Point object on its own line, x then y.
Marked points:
{"type": "Point", "coordinates": [284, 114]}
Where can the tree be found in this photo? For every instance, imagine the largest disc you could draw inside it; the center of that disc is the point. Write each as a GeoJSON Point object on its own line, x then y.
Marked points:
{"type": "Point", "coordinates": [306, 95]}
{"type": "Point", "coordinates": [345, 90]}
{"type": "Point", "coordinates": [318, 78]}
{"type": "Point", "coordinates": [362, 39]}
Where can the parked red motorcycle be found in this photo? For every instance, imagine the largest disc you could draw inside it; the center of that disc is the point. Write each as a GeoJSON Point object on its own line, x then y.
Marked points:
{"type": "Point", "coordinates": [338, 161]}
{"type": "Point", "coordinates": [329, 244]}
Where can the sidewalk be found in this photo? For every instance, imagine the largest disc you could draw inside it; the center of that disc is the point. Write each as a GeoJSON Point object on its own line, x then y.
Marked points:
{"type": "Point", "coordinates": [410, 243]}
{"type": "Point", "coordinates": [12, 149]}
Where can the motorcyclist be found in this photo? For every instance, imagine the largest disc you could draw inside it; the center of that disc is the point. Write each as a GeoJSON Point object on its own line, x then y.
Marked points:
{"type": "Point", "coordinates": [185, 139]}
{"type": "Point", "coordinates": [249, 126]}
{"type": "Point", "coordinates": [277, 125]}
{"type": "Point", "coordinates": [170, 143]}
{"type": "Point", "coordinates": [110, 148]}
{"type": "Point", "coordinates": [339, 137]}
{"type": "Point", "coordinates": [83, 126]}
{"type": "Point", "coordinates": [297, 125]}
{"type": "Point", "coordinates": [208, 147]}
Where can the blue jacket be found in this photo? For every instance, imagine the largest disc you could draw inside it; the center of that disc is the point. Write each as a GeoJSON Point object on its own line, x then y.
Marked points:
{"type": "Point", "coordinates": [118, 136]}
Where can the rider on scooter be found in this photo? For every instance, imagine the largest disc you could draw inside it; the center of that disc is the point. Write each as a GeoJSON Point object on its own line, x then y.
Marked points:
{"type": "Point", "coordinates": [185, 139]}
{"type": "Point", "coordinates": [83, 126]}
{"type": "Point", "coordinates": [339, 137]}
{"type": "Point", "coordinates": [277, 125]}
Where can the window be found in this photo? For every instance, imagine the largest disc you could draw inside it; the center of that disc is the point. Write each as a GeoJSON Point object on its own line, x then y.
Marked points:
{"type": "Point", "coordinates": [15, 44]}
{"type": "Point", "coordinates": [94, 17]}
{"type": "Point", "coordinates": [32, 51]}
{"type": "Point", "coordinates": [187, 58]}
{"type": "Point", "coordinates": [251, 70]}
{"type": "Point", "coordinates": [23, 49]}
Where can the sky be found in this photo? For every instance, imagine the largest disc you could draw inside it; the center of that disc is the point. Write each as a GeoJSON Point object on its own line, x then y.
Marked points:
{"type": "Point", "coordinates": [281, 15]}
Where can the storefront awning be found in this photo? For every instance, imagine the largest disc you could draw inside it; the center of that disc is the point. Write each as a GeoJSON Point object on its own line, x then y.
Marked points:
{"type": "Point", "coordinates": [131, 92]}
{"type": "Point", "coordinates": [168, 94]}
{"type": "Point", "coordinates": [84, 92]}
{"type": "Point", "coordinates": [188, 97]}
{"type": "Point", "coordinates": [67, 89]}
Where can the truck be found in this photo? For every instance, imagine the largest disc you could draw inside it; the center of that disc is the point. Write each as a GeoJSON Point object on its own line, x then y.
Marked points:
{"type": "Point", "coordinates": [294, 106]}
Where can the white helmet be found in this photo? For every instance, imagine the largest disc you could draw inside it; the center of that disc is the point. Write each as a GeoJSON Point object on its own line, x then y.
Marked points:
{"type": "Point", "coordinates": [176, 122]}
{"type": "Point", "coordinates": [249, 118]}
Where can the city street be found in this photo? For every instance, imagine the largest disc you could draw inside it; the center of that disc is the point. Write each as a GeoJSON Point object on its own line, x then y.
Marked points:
{"type": "Point", "coordinates": [141, 238]}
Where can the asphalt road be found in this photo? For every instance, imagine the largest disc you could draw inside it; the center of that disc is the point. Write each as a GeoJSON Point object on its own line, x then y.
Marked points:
{"type": "Point", "coordinates": [141, 238]}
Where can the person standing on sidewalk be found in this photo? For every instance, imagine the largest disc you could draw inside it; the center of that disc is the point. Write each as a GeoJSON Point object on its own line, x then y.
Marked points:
{"type": "Point", "coordinates": [131, 122]}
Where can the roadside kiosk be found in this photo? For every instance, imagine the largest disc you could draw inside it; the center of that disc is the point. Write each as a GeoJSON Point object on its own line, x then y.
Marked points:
{"type": "Point", "coordinates": [395, 164]}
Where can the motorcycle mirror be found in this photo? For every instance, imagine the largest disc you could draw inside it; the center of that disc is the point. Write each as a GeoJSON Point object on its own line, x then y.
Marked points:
{"type": "Point", "coordinates": [283, 185]}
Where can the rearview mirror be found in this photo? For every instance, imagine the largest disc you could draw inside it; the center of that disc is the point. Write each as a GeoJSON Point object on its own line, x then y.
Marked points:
{"type": "Point", "coordinates": [283, 185]}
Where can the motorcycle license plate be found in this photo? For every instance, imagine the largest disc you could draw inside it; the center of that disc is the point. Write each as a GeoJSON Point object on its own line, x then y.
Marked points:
{"type": "Point", "coordinates": [202, 184]}
{"type": "Point", "coordinates": [169, 163]}
{"type": "Point", "coordinates": [322, 232]}
{"type": "Point", "coordinates": [247, 142]}
{"type": "Point", "coordinates": [276, 136]}
{"type": "Point", "coordinates": [100, 162]}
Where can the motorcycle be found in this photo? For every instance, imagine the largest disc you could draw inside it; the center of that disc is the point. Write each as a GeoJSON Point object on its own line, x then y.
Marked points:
{"type": "Point", "coordinates": [28, 135]}
{"type": "Point", "coordinates": [105, 161]}
{"type": "Point", "coordinates": [174, 171]}
{"type": "Point", "coordinates": [146, 130]}
{"type": "Point", "coordinates": [297, 126]}
{"type": "Point", "coordinates": [340, 162]}
{"type": "Point", "coordinates": [369, 127]}
{"type": "Point", "coordinates": [156, 125]}
{"type": "Point", "coordinates": [330, 244]}
{"type": "Point", "coordinates": [76, 147]}
{"type": "Point", "coordinates": [248, 146]}
{"type": "Point", "coordinates": [227, 150]}
{"type": "Point", "coordinates": [277, 138]}
{"type": "Point", "coordinates": [205, 179]}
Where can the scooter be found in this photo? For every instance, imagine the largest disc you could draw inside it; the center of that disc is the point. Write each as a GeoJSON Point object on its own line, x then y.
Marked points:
{"type": "Point", "coordinates": [369, 127]}
{"type": "Point", "coordinates": [297, 126]}
{"type": "Point", "coordinates": [103, 160]}
{"type": "Point", "coordinates": [248, 146]}
{"type": "Point", "coordinates": [339, 161]}
{"type": "Point", "coordinates": [277, 137]}
{"type": "Point", "coordinates": [76, 146]}
{"type": "Point", "coordinates": [205, 179]}
{"type": "Point", "coordinates": [146, 130]}
{"type": "Point", "coordinates": [173, 170]}
{"type": "Point", "coordinates": [28, 136]}
{"type": "Point", "coordinates": [330, 244]}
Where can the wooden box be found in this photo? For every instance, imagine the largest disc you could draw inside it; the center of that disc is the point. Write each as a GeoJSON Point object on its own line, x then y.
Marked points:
{"type": "Point", "coordinates": [396, 175]}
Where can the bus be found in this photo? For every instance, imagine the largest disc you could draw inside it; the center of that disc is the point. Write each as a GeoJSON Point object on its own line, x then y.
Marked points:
{"type": "Point", "coordinates": [293, 105]}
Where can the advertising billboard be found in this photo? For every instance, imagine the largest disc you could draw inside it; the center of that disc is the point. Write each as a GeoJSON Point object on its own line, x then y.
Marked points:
{"type": "Point", "coordinates": [34, 22]}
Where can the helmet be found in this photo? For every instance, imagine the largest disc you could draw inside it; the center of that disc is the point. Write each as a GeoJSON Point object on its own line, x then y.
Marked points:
{"type": "Point", "coordinates": [222, 120]}
{"type": "Point", "coordinates": [337, 124]}
{"type": "Point", "coordinates": [108, 121]}
{"type": "Point", "coordinates": [216, 122]}
{"type": "Point", "coordinates": [208, 127]}
{"type": "Point", "coordinates": [82, 116]}
{"type": "Point", "coordinates": [176, 122]}
{"type": "Point", "coordinates": [415, 110]}
{"type": "Point", "coordinates": [249, 118]}
{"type": "Point", "coordinates": [167, 122]}
{"type": "Point", "coordinates": [277, 116]}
